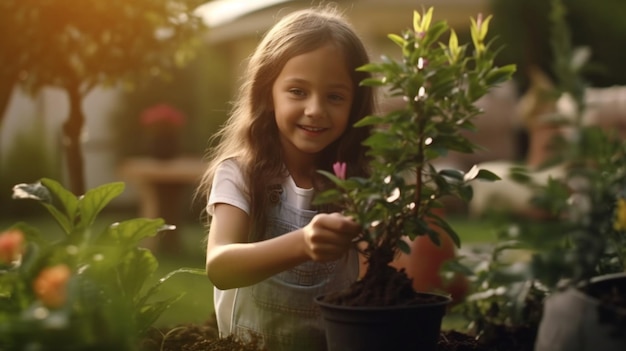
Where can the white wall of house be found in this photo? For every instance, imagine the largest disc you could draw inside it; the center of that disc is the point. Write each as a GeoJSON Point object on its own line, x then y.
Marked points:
{"type": "Point", "coordinates": [50, 108]}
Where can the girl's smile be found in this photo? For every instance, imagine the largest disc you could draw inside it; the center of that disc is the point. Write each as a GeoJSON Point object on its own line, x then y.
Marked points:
{"type": "Point", "coordinates": [312, 130]}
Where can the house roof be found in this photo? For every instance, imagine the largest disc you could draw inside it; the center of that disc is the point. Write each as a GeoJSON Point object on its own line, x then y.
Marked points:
{"type": "Point", "coordinates": [220, 12]}
{"type": "Point", "coordinates": [232, 19]}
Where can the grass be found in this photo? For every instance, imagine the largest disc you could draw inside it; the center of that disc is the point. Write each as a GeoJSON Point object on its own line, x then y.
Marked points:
{"type": "Point", "coordinates": [196, 304]}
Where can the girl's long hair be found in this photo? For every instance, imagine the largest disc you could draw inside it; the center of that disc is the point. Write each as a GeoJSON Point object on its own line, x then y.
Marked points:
{"type": "Point", "coordinates": [250, 135]}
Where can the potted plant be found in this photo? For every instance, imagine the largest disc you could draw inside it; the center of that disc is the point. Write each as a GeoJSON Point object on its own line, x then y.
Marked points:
{"type": "Point", "coordinates": [584, 261]}
{"type": "Point", "coordinates": [582, 257]}
{"type": "Point", "coordinates": [572, 285]}
{"type": "Point", "coordinates": [439, 84]}
{"type": "Point", "coordinates": [162, 125]}
{"type": "Point", "coordinates": [84, 290]}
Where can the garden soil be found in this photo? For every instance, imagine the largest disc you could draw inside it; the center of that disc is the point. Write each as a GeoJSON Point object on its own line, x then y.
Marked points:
{"type": "Point", "coordinates": [195, 337]}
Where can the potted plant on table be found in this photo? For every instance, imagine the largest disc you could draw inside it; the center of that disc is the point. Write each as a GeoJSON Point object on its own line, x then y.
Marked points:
{"type": "Point", "coordinates": [439, 84]}
{"type": "Point", "coordinates": [162, 125]}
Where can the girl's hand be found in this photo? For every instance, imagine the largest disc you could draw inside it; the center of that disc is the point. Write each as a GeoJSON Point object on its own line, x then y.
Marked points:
{"type": "Point", "coordinates": [328, 236]}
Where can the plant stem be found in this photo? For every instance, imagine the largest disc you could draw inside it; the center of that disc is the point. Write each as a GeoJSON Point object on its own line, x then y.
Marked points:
{"type": "Point", "coordinates": [421, 124]}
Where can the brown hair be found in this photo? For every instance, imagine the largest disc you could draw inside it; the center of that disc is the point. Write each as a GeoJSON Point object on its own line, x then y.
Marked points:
{"type": "Point", "coordinates": [250, 135]}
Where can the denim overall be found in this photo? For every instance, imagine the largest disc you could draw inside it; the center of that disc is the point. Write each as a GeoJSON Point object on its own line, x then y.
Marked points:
{"type": "Point", "coordinates": [280, 310]}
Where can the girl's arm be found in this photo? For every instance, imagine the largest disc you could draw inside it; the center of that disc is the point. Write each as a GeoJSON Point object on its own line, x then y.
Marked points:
{"type": "Point", "coordinates": [233, 262]}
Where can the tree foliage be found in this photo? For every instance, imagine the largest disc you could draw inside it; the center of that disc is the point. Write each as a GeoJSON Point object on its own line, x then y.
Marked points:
{"type": "Point", "coordinates": [77, 45]}
{"type": "Point", "coordinates": [525, 27]}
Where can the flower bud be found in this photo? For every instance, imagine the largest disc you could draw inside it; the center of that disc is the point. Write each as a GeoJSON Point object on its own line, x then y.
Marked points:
{"type": "Point", "coordinates": [340, 170]}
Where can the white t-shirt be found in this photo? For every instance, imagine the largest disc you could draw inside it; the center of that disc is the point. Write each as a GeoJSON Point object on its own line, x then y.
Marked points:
{"type": "Point", "coordinates": [229, 188]}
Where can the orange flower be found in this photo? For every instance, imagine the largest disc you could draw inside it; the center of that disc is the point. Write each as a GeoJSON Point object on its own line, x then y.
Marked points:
{"type": "Point", "coordinates": [11, 245]}
{"type": "Point", "coordinates": [51, 285]}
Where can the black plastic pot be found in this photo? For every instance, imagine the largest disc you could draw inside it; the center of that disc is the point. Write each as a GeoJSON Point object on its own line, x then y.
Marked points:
{"type": "Point", "coordinates": [411, 327]}
{"type": "Point", "coordinates": [576, 320]}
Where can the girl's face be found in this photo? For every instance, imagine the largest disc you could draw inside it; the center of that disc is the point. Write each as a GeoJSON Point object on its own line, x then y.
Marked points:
{"type": "Point", "coordinates": [312, 97]}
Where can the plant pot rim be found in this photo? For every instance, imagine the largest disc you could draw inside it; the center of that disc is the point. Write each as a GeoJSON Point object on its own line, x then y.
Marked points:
{"type": "Point", "coordinates": [443, 300]}
{"type": "Point", "coordinates": [579, 290]}
{"type": "Point", "coordinates": [608, 276]}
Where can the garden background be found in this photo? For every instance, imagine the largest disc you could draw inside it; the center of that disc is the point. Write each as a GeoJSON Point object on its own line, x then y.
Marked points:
{"type": "Point", "coordinates": [197, 74]}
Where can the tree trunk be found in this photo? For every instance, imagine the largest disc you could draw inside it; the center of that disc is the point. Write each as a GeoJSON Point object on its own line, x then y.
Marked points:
{"type": "Point", "coordinates": [6, 90]}
{"type": "Point", "coordinates": [72, 130]}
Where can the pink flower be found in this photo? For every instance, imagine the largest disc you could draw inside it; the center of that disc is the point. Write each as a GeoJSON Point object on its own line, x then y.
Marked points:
{"type": "Point", "coordinates": [11, 245]}
{"type": "Point", "coordinates": [340, 169]}
{"type": "Point", "coordinates": [162, 115]}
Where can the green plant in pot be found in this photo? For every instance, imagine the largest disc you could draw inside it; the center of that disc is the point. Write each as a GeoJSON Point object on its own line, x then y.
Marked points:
{"type": "Point", "coordinates": [439, 84]}
{"type": "Point", "coordinates": [584, 261]}
{"type": "Point", "coordinates": [84, 290]}
{"type": "Point", "coordinates": [577, 250]}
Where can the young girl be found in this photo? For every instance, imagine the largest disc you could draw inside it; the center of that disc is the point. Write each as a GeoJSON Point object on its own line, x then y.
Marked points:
{"type": "Point", "coordinates": [270, 252]}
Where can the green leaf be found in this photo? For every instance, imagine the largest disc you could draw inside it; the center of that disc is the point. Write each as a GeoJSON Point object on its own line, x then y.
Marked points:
{"type": "Point", "coordinates": [440, 222]}
{"type": "Point", "coordinates": [96, 199]}
{"type": "Point", "coordinates": [485, 27]}
{"type": "Point", "coordinates": [452, 173]}
{"type": "Point", "coordinates": [68, 201]}
{"type": "Point", "coordinates": [130, 232]}
{"type": "Point", "coordinates": [372, 82]}
{"type": "Point", "coordinates": [137, 266]}
{"type": "Point", "coordinates": [466, 193]}
{"type": "Point", "coordinates": [397, 39]}
{"type": "Point", "coordinates": [417, 21]}
{"type": "Point", "coordinates": [332, 177]}
{"type": "Point", "coordinates": [435, 32]}
{"type": "Point", "coordinates": [499, 75]}
{"type": "Point", "coordinates": [484, 174]}
{"type": "Point", "coordinates": [372, 68]}
{"type": "Point", "coordinates": [369, 121]}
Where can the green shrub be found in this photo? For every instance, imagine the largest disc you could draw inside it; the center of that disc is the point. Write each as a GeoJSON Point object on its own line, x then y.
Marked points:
{"type": "Point", "coordinates": [85, 290]}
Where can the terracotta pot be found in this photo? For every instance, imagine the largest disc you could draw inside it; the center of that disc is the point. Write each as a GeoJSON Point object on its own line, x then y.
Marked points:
{"type": "Point", "coordinates": [365, 328]}
{"type": "Point", "coordinates": [575, 319]}
{"type": "Point", "coordinates": [425, 262]}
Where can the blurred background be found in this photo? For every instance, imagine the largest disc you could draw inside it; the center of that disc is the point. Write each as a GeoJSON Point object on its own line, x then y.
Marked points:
{"type": "Point", "coordinates": [91, 91]}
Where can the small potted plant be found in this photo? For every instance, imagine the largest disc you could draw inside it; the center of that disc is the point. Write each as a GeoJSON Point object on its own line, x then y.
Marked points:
{"type": "Point", "coordinates": [162, 125]}
{"type": "Point", "coordinates": [84, 290]}
{"type": "Point", "coordinates": [439, 84]}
